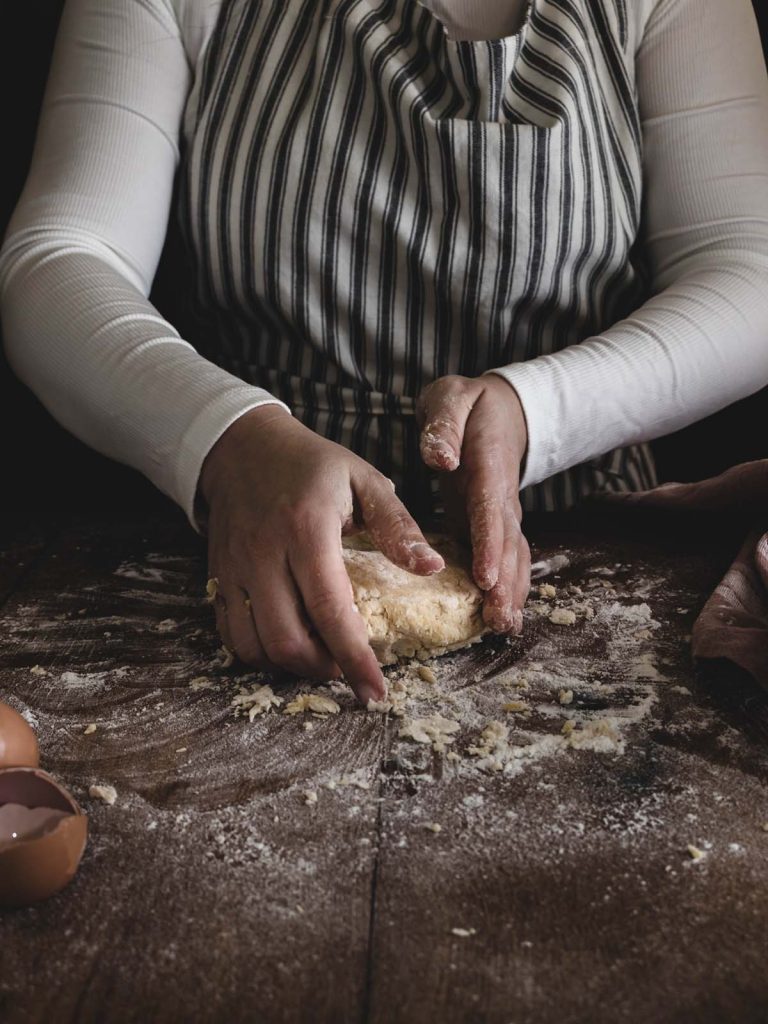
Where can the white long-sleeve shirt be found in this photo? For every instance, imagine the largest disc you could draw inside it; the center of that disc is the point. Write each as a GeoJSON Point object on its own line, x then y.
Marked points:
{"type": "Point", "coordinates": [82, 248]}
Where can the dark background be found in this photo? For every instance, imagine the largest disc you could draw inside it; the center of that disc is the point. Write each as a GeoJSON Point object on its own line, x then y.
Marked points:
{"type": "Point", "coordinates": [49, 474]}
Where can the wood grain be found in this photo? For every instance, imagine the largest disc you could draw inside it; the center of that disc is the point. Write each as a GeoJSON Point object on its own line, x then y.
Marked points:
{"type": "Point", "coordinates": [212, 891]}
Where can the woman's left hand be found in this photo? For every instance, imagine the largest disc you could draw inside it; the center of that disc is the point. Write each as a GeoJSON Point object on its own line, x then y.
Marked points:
{"type": "Point", "coordinates": [474, 429]}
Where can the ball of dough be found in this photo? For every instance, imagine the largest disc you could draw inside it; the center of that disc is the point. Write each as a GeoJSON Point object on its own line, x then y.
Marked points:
{"type": "Point", "coordinates": [410, 616]}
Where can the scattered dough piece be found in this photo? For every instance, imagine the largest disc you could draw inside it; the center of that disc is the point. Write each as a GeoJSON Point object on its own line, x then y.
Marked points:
{"type": "Point", "coordinates": [493, 748]}
{"type": "Point", "coordinates": [383, 706]}
{"type": "Point", "coordinates": [211, 589]}
{"type": "Point", "coordinates": [562, 617]}
{"type": "Point", "coordinates": [255, 701]}
{"type": "Point", "coordinates": [516, 705]}
{"type": "Point", "coordinates": [307, 726]}
{"type": "Point", "coordinates": [38, 670]}
{"type": "Point", "coordinates": [89, 730]}
{"type": "Point", "coordinates": [765, 826]}
{"type": "Point", "coordinates": [310, 796]}
{"type": "Point", "coordinates": [568, 727]}
{"type": "Point", "coordinates": [227, 656]}
{"type": "Point", "coordinates": [181, 750]}
{"type": "Point", "coordinates": [108, 794]}
{"type": "Point", "coordinates": [565, 697]}
{"type": "Point", "coordinates": [410, 616]}
{"type": "Point", "coordinates": [425, 672]}
{"type": "Point", "coordinates": [201, 683]}
{"type": "Point", "coordinates": [695, 853]}
{"type": "Point", "coordinates": [433, 826]}
{"type": "Point", "coordinates": [463, 933]}
{"type": "Point", "coordinates": [314, 702]}
{"type": "Point", "coordinates": [547, 591]}
{"type": "Point", "coordinates": [436, 730]}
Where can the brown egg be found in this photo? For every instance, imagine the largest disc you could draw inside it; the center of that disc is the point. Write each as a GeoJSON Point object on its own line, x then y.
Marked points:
{"type": "Point", "coordinates": [18, 744]}
{"type": "Point", "coordinates": [43, 833]}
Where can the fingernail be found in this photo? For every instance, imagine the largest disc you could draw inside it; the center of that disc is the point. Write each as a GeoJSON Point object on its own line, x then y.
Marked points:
{"type": "Point", "coordinates": [420, 550]}
{"type": "Point", "coordinates": [366, 692]}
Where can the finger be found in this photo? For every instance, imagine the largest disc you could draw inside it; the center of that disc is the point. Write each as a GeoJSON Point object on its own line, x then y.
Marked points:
{"type": "Point", "coordinates": [244, 639]}
{"type": "Point", "coordinates": [392, 528]}
{"type": "Point", "coordinates": [486, 514]}
{"type": "Point", "coordinates": [444, 407]}
{"type": "Point", "coordinates": [285, 632]}
{"type": "Point", "coordinates": [220, 611]}
{"type": "Point", "coordinates": [503, 605]}
{"type": "Point", "coordinates": [492, 476]}
{"type": "Point", "coordinates": [318, 569]}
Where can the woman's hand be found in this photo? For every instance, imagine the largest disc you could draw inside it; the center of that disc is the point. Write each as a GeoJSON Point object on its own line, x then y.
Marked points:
{"type": "Point", "coordinates": [474, 429]}
{"type": "Point", "coordinates": [279, 498]}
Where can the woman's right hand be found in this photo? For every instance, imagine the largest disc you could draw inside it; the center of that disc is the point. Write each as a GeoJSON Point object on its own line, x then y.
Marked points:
{"type": "Point", "coordinates": [279, 499]}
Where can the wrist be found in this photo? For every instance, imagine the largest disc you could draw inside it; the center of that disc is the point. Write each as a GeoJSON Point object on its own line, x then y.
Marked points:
{"type": "Point", "coordinates": [229, 447]}
{"type": "Point", "coordinates": [510, 397]}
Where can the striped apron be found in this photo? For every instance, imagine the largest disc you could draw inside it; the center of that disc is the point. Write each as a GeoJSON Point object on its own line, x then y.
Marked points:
{"type": "Point", "coordinates": [368, 205]}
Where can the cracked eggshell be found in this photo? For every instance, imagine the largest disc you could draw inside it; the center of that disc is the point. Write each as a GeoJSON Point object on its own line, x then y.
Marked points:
{"type": "Point", "coordinates": [18, 744]}
{"type": "Point", "coordinates": [34, 869]}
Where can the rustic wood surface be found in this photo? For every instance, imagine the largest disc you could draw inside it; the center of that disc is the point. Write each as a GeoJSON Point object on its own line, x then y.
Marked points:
{"type": "Point", "coordinates": [558, 890]}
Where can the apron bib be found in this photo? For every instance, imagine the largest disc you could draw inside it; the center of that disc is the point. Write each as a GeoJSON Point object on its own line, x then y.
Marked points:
{"type": "Point", "coordinates": [369, 204]}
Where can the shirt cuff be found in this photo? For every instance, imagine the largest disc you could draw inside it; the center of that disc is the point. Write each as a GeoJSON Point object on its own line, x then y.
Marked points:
{"type": "Point", "coordinates": [537, 397]}
{"type": "Point", "coordinates": [202, 435]}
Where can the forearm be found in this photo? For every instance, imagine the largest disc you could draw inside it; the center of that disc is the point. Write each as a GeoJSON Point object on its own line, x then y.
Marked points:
{"type": "Point", "coordinates": [108, 367]}
{"type": "Point", "coordinates": [696, 347]}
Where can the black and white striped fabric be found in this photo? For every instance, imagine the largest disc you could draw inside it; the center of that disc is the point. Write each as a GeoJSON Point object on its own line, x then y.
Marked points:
{"type": "Point", "coordinates": [370, 205]}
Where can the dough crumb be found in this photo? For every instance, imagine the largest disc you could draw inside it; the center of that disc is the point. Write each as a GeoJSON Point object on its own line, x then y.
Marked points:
{"type": "Point", "coordinates": [38, 670]}
{"type": "Point", "coordinates": [568, 727]}
{"type": "Point", "coordinates": [464, 933]}
{"type": "Point", "coordinates": [89, 730]}
{"type": "Point", "coordinates": [565, 697]}
{"type": "Point", "coordinates": [382, 706]}
{"type": "Point", "coordinates": [425, 672]}
{"type": "Point", "coordinates": [227, 656]}
{"type": "Point", "coordinates": [493, 749]}
{"type": "Point", "coordinates": [315, 702]}
{"type": "Point", "coordinates": [562, 617]}
{"type": "Point", "coordinates": [211, 589]}
{"type": "Point", "coordinates": [201, 683]}
{"type": "Point", "coordinates": [547, 591]}
{"type": "Point", "coordinates": [516, 705]}
{"type": "Point", "coordinates": [433, 826]}
{"type": "Point", "coordinates": [695, 853]}
{"type": "Point", "coordinates": [255, 702]}
{"type": "Point", "coordinates": [310, 796]}
{"type": "Point", "coordinates": [436, 730]}
{"type": "Point", "coordinates": [307, 726]}
{"type": "Point", "coordinates": [107, 794]}
{"type": "Point", "coordinates": [764, 826]}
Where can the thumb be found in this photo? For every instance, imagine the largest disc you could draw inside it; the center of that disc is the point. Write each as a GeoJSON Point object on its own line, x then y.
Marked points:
{"type": "Point", "coordinates": [443, 410]}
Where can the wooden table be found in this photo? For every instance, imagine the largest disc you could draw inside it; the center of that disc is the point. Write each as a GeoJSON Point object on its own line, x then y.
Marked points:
{"type": "Point", "coordinates": [558, 889]}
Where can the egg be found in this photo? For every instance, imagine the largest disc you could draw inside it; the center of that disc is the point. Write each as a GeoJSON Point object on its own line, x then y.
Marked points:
{"type": "Point", "coordinates": [43, 833]}
{"type": "Point", "coordinates": [18, 744]}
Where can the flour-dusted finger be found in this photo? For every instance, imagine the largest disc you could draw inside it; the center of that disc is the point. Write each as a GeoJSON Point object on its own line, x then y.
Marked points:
{"type": "Point", "coordinates": [503, 605]}
{"type": "Point", "coordinates": [393, 529]}
{"type": "Point", "coordinates": [284, 630]}
{"type": "Point", "coordinates": [318, 568]}
{"type": "Point", "coordinates": [243, 637]}
{"type": "Point", "coordinates": [443, 409]}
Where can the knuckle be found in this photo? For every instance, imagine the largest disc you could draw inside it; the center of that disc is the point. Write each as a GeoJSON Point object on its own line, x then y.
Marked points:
{"type": "Point", "coordinates": [326, 609]}
{"type": "Point", "coordinates": [287, 651]}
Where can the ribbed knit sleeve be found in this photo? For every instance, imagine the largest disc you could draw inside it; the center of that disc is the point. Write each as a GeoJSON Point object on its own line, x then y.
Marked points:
{"type": "Point", "coordinates": [83, 245]}
{"type": "Point", "coordinates": [701, 342]}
